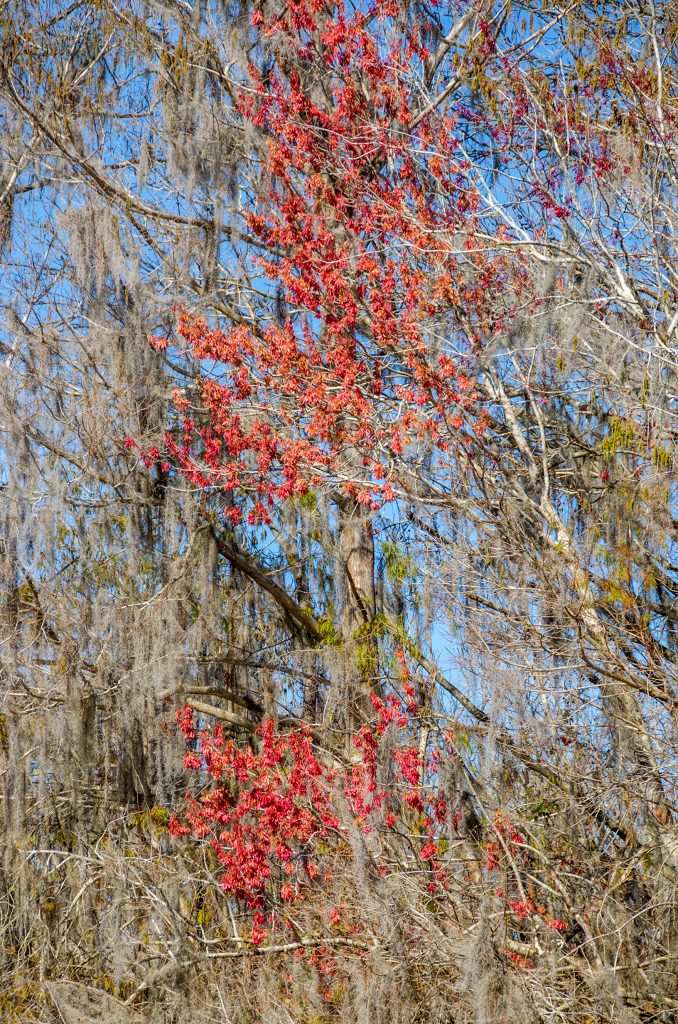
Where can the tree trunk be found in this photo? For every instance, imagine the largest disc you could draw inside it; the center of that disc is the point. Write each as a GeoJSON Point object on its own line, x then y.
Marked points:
{"type": "Point", "coordinates": [356, 557]}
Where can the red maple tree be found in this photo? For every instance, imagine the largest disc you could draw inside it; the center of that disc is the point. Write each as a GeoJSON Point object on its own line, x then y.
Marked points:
{"type": "Point", "coordinates": [417, 212]}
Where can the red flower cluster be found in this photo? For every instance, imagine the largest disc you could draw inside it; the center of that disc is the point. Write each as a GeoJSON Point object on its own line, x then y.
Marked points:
{"type": "Point", "coordinates": [265, 812]}
{"type": "Point", "coordinates": [366, 254]}
{"type": "Point", "coordinates": [268, 813]}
